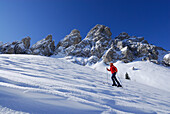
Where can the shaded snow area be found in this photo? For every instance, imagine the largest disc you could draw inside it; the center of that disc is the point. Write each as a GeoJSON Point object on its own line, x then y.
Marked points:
{"type": "Point", "coordinates": [36, 84]}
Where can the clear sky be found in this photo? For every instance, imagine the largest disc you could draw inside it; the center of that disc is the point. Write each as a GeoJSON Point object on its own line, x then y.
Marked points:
{"type": "Point", "coordinates": [38, 18]}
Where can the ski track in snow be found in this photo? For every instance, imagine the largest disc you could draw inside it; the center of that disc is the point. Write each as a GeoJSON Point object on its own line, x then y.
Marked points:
{"type": "Point", "coordinates": [36, 84]}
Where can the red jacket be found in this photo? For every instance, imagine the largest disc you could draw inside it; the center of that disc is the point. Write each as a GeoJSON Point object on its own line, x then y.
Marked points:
{"type": "Point", "coordinates": [113, 69]}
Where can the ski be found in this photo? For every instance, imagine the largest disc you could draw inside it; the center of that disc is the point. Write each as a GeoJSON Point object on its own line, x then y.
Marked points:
{"type": "Point", "coordinates": [111, 85]}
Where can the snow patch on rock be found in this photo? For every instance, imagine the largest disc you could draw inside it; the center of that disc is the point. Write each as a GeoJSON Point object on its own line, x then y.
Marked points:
{"type": "Point", "coordinates": [44, 47]}
{"type": "Point", "coordinates": [166, 59]}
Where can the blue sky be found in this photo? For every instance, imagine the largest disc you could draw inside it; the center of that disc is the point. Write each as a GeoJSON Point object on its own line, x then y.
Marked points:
{"type": "Point", "coordinates": [38, 18]}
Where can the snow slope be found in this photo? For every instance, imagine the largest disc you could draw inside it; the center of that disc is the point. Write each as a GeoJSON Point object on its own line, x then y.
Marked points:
{"type": "Point", "coordinates": [144, 72]}
{"type": "Point", "coordinates": [36, 84]}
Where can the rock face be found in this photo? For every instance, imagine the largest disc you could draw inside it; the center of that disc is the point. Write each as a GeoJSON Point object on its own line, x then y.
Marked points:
{"type": "Point", "coordinates": [98, 45]}
{"type": "Point", "coordinates": [111, 55]}
{"type": "Point", "coordinates": [166, 59]}
{"type": "Point", "coordinates": [26, 42]}
{"type": "Point", "coordinates": [23, 48]}
{"type": "Point", "coordinates": [95, 44]}
{"type": "Point", "coordinates": [66, 45]}
{"type": "Point", "coordinates": [44, 47]}
{"type": "Point", "coordinates": [92, 60]}
{"type": "Point", "coordinates": [130, 48]}
{"type": "Point", "coordinates": [16, 47]}
{"type": "Point", "coordinates": [92, 47]}
{"type": "Point", "coordinates": [127, 76]}
{"type": "Point", "coordinates": [127, 55]}
{"type": "Point", "coordinates": [1, 43]}
{"type": "Point", "coordinates": [8, 48]}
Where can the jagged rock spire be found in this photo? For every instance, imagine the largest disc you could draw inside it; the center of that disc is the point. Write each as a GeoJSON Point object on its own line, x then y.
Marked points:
{"type": "Point", "coordinates": [16, 47]}
{"type": "Point", "coordinates": [45, 47]}
{"type": "Point", "coordinates": [96, 42]}
{"type": "Point", "coordinates": [65, 45]}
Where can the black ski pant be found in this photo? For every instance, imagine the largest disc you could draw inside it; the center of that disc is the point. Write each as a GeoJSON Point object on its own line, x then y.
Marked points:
{"type": "Point", "coordinates": [114, 79]}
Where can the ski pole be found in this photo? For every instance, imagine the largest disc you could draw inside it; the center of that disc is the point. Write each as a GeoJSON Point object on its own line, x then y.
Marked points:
{"type": "Point", "coordinates": [104, 77]}
{"type": "Point", "coordinates": [119, 80]}
{"type": "Point", "coordinates": [106, 73]}
{"type": "Point", "coordinates": [107, 78]}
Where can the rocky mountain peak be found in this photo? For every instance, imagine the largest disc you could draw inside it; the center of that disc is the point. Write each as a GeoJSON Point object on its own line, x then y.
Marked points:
{"type": "Point", "coordinates": [67, 44]}
{"type": "Point", "coordinates": [45, 47]}
{"type": "Point", "coordinates": [49, 38]}
{"type": "Point", "coordinates": [16, 47]}
{"type": "Point", "coordinates": [95, 43]}
{"type": "Point", "coordinates": [122, 36]}
{"type": "Point", "coordinates": [96, 46]}
{"type": "Point", "coordinates": [128, 48]}
{"type": "Point", "coordinates": [75, 31]}
{"type": "Point", "coordinates": [99, 30]}
{"type": "Point", "coordinates": [26, 42]}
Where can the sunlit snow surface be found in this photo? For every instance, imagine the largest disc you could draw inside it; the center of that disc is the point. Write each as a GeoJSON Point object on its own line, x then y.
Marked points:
{"type": "Point", "coordinates": [36, 84]}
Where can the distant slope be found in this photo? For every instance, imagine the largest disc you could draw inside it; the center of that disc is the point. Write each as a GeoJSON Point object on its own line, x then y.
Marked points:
{"type": "Point", "coordinates": [144, 72]}
{"type": "Point", "coordinates": [36, 84]}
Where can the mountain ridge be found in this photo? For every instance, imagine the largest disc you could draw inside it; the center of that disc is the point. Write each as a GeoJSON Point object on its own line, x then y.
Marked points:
{"type": "Point", "coordinates": [97, 46]}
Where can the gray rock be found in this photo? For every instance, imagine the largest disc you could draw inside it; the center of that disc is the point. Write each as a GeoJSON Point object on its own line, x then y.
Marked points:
{"type": "Point", "coordinates": [127, 54]}
{"type": "Point", "coordinates": [160, 48]}
{"type": "Point", "coordinates": [69, 49]}
{"type": "Point", "coordinates": [16, 47]}
{"type": "Point", "coordinates": [20, 49]}
{"type": "Point", "coordinates": [127, 76]}
{"type": "Point", "coordinates": [145, 41]}
{"type": "Point", "coordinates": [73, 38]}
{"type": "Point", "coordinates": [96, 43]}
{"type": "Point", "coordinates": [123, 36]}
{"type": "Point", "coordinates": [26, 42]}
{"type": "Point", "coordinates": [9, 48]}
{"type": "Point", "coordinates": [1, 43]}
{"type": "Point", "coordinates": [23, 46]}
{"type": "Point", "coordinates": [145, 59]}
{"type": "Point", "coordinates": [44, 47]}
{"type": "Point", "coordinates": [166, 59]}
{"type": "Point", "coordinates": [120, 44]}
{"type": "Point", "coordinates": [66, 45]}
{"type": "Point", "coordinates": [124, 47]}
{"type": "Point", "coordinates": [92, 60]}
{"type": "Point", "coordinates": [133, 68]}
{"type": "Point", "coordinates": [147, 50]}
{"type": "Point", "coordinates": [110, 55]}
{"type": "Point", "coordinates": [154, 61]}
{"type": "Point", "coordinates": [138, 47]}
{"type": "Point", "coordinates": [107, 31]}
{"type": "Point", "coordinates": [136, 39]}
{"type": "Point", "coordinates": [140, 39]}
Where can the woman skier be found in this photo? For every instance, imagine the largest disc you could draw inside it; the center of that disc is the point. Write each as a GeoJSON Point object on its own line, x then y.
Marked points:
{"type": "Point", "coordinates": [113, 70]}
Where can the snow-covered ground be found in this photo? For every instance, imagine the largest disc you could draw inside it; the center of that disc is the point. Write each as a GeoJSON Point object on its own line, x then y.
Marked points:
{"type": "Point", "coordinates": [143, 72]}
{"type": "Point", "coordinates": [36, 84]}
